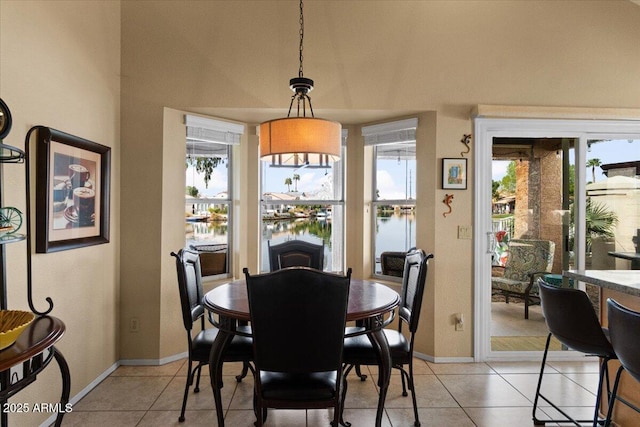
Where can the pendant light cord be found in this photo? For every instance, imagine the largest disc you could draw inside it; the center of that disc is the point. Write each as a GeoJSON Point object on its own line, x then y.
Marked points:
{"type": "Point", "coordinates": [300, 85]}
{"type": "Point", "coordinates": [300, 73]}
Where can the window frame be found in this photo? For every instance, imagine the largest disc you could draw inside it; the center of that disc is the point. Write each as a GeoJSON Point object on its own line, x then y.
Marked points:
{"type": "Point", "coordinates": [227, 135]}
{"type": "Point", "coordinates": [388, 133]}
{"type": "Point", "coordinates": [334, 202]}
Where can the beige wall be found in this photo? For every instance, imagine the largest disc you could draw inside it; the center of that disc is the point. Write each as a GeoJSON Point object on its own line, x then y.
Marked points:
{"type": "Point", "coordinates": [370, 61]}
{"type": "Point", "coordinates": [60, 67]}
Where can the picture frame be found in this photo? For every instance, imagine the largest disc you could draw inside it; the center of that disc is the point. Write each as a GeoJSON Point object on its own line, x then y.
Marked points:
{"type": "Point", "coordinates": [454, 174]}
{"type": "Point", "coordinates": [72, 191]}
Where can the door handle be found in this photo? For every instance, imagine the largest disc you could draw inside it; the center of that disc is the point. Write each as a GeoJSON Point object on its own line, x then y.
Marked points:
{"type": "Point", "coordinates": [490, 242]}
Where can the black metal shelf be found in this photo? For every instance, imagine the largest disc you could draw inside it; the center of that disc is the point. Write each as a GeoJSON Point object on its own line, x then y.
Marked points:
{"type": "Point", "coordinates": [11, 238]}
{"type": "Point", "coordinates": [34, 348]}
{"type": "Point", "coordinates": [11, 154]}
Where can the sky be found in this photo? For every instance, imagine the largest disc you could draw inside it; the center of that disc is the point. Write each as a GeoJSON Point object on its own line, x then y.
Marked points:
{"type": "Point", "coordinates": [217, 184]}
{"type": "Point", "coordinates": [608, 152]}
{"type": "Point", "coordinates": [391, 174]}
{"type": "Point", "coordinates": [390, 179]}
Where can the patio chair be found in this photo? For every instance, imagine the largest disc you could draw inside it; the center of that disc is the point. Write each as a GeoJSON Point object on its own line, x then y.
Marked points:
{"type": "Point", "coordinates": [527, 260]}
{"type": "Point", "coordinates": [296, 253]}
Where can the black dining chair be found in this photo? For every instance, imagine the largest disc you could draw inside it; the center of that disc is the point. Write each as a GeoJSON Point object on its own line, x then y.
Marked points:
{"type": "Point", "coordinates": [298, 334]}
{"type": "Point", "coordinates": [199, 338]}
{"type": "Point", "coordinates": [358, 349]}
{"type": "Point", "coordinates": [296, 253]}
{"type": "Point", "coordinates": [624, 329]}
{"type": "Point", "coordinates": [392, 263]}
{"type": "Point", "coordinates": [572, 320]}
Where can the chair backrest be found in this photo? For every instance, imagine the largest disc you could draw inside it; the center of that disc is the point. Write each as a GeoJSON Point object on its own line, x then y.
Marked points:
{"type": "Point", "coordinates": [571, 318]}
{"type": "Point", "coordinates": [296, 253]}
{"type": "Point", "coordinates": [413, 284]}
{"type": "Point", "coordinates": [298, 329]}
{"type": "Point", "coordinates": [528, 256]}
{"type": "Point", "coordinates": [624, 329]}
{"type": "Point", "coordinates": [189, 285]}
{"type": "Point", "coordinates": [213, 258]}
{"type": "Point", "coordinates": [392, 263]}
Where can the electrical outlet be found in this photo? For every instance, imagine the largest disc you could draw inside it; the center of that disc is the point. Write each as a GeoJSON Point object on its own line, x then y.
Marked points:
{"type": "Point", "coordinates": [464, 232]}
{"type": "Point", "coordinates": [134, 325]}
{"type": "Point", "coordinates": [459, 322]}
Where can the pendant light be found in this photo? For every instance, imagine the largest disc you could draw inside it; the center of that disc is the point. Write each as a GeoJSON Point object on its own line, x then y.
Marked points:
{"type": "Point", "coordinates": [300, 141]}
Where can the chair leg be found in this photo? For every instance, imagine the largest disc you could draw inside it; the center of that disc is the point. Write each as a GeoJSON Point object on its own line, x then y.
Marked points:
{"type": "Point", "coordinates": [245, 370]}
{"type": "Point", "coordinates": [344, 396]}
{"type": "Point", "coordinates": [190, 374]}
{"type": "Point", "coordinates": [403, 374]}
{"type": "Point", "coordinates": [612, 398]}
{"type": "Point", "coordinates": [336, 415]}
{"type": "Point", "coordinates": [412, 387]}
{"type": "Point", "coordinates": [198, 370]}
{"type": "Point", "coordinates": [568, 419]}
{"type": "Point", "coordinates": [542, 365]}
{"type": "Point", "coordinates": [604, 372]}
{"type": "Point", "coordinates": [363, 377]}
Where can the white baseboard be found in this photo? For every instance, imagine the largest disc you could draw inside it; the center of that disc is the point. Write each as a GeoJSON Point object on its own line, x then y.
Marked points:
{"type": "Point", "coordinates": [432, 359]}
{"type": "Point", "coordinates": [153, 362]}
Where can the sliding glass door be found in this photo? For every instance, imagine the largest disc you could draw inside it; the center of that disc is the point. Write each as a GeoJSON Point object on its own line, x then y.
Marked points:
{"type": "Point", "coordinates": [532, 180]}
{"type": "Point", "coordinates": [569, 186]}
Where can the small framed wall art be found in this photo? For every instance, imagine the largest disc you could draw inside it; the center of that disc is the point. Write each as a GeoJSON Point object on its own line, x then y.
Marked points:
{"type": "Point", "coordinates": [454, 174]}
{"type": "Point", "coordinates": [72, 191]}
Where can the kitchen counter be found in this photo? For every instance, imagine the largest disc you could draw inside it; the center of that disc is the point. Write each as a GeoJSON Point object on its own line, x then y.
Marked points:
{"type": "Point", "coordinates": [625, 281]}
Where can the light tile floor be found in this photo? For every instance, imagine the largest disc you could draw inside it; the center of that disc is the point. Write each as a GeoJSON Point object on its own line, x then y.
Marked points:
{"type": "Point", "coordinates": [474, 394]}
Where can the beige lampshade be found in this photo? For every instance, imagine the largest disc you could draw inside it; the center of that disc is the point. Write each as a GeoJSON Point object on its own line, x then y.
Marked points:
{"type": "Point", "coordinates": [300, 140]}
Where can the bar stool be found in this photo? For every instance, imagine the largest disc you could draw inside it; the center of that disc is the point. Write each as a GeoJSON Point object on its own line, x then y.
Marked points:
{"type": "Point", "coordinates": [624, 327]}
{"type": "Point", "coordinates": [572, 320]}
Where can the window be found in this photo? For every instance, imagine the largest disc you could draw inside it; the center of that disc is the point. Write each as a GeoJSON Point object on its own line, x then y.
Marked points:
{"type": "Point", "coordinates": [305, 203]}
{"type": "Point", "coordinates": [208, 193]}
{"type": "Point", "coordinates": [394, 193]}
{"type": "Point", "coordinates": [612, 207]}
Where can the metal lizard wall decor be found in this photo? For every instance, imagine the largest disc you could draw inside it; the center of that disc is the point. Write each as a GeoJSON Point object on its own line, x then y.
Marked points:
{"type": "Point", "coordinates": [466, 140]}
{"type": "Point", "coordinates": [448, 198]}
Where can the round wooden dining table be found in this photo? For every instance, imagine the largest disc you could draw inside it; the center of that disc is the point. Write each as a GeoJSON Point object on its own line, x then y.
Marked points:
{"type": "Point", "coordinates": [370, 305]}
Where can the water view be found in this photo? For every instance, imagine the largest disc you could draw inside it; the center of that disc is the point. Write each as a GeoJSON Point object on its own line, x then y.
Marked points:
{"type": "Point", "coordinates": [394, 232]}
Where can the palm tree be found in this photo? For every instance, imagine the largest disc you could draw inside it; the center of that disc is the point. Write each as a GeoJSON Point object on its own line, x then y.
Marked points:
{"type": "Point", "coordinates": [288, 183]}
{"type": "Point", "coordinates": [599, 221]}
{"type": "Point", "coordinates": [296, 178]}
{"type": "Point", "coordinates": [592, 163]}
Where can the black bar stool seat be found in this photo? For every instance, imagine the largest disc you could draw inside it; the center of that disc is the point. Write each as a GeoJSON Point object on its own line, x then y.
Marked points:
{"type": "Point", "coordinates": [571, 318]}
{"type": "Point", "coordinates": [624, 325]}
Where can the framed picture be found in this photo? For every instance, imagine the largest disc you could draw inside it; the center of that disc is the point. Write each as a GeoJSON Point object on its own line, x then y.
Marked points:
{"type": "Point", "coordinates": [454, 174]}
{"type": "Point", "coordinates": [72, 191]}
